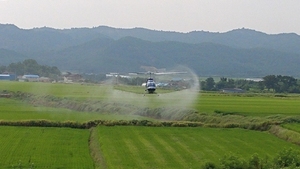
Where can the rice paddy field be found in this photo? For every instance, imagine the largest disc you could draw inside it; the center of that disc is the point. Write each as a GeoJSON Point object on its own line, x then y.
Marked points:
{"type": "Point", "coordinates": [132, 146]}
{"type": "Point", "coordinates": [168, 147]}
{"type": "Point", "coordinates": [249, 104]}
{"type": "Point", "coordinates": [38, 147]}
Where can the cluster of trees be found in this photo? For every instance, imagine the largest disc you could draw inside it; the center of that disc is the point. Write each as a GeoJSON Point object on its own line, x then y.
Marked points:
{"type": "Point", "coordinates": [287, 158]}
{"type": "Point", "coordinates": [30, 66]}
{"type": "Point", "coordinates": [93, 78]}
{"type": "Point", "coordinates": [276, 83]}
{"type": "Point", "coordinates": [282, 84]}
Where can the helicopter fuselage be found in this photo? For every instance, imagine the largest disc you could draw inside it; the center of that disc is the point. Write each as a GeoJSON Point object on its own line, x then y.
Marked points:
{"type": "Point", "coordinates": [150, 85]}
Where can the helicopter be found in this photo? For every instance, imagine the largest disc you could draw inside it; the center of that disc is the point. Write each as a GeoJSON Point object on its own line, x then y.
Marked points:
{"type": "Point", "coordinates": [150, 83]}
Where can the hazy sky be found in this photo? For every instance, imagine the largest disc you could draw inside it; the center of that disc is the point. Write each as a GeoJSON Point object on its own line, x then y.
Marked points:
{"type": "Point", "coordinates": [269, 16]}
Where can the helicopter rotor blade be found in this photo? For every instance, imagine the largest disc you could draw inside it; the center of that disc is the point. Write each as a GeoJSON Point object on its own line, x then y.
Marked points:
{"type": "Point", "coordinates": [157, 73]}
{"type": "Point", "coordinates": [169, 73]}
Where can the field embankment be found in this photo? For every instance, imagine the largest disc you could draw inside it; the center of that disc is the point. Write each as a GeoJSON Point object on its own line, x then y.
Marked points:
{"type": "Point", "coordinates": [289, 132]}
{"type": "Point", "coordinates": [95, 150]}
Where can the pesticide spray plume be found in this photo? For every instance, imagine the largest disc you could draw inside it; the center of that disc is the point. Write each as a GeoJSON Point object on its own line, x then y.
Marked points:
{"type": "Point", "coordinates": [173, 105]}
{"type": "Point", "coordinates": [167, 104]}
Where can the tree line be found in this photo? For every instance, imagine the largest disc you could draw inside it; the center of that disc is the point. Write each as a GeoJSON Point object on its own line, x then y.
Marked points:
{"type": "Point", "coordinates": [270, 83]}
{"type": "Point", "coordinates": [30, 66]}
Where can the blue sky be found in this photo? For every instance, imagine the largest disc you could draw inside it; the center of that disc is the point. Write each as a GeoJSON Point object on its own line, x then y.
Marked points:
{"type": "Point", "coordinates": [269, 16]}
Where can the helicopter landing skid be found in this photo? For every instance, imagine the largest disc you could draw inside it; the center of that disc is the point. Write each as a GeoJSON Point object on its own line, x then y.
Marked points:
{"type": "Point", "coordinates": [151, 94]}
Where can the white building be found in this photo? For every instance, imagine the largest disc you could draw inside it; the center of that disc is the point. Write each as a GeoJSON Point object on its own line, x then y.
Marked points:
{"type": "Point", "coordinates": [31, 78]}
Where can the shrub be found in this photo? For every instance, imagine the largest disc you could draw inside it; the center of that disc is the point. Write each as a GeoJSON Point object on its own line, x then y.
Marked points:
{"type": "Point", "coordinates": [166, 123]}
{"type": "Point", "coordinates": [110, 123]}
{"type": "Point", "coordinates": [209, 165]}
{"type": "Point", "coordinates": [91, 124]}
{"type": "Point", "coordinates": [231, 125]}
{"type": "Point", "coordinates": [157, 124]}
{"type": "Point", "coordinates": [255, 162]}
{"type": "Point", "coordinates": [133, 122]}
{"type": "Point", "coordinates": [123, 123]}
{"type": "Point", "coordinates": [179, 124]}
{"type": "Point", "coordinates": [143, 123]}
{"type": "Point", "coordinates": [233, 162]}
{"type": "Point", "coordinates": [194, 124]}
{"type": "Point", "coordinates": [287, 158]}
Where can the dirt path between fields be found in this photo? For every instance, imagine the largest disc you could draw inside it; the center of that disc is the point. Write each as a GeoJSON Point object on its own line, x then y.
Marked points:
{"type": "Point", "coordinates": [95, 151]}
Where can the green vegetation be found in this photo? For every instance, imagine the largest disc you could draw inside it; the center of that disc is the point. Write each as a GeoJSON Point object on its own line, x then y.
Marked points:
{"type": "Point", "coordinates": [30, 66]}
{"type": "Point", "coordinates": [270, 83]}
{"type": "Point", "coordinates": [172, 147]}
{"type": "Point", "coordinates": [39, 147]}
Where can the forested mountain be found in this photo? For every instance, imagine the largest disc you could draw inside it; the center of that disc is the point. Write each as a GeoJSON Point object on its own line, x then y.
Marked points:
{"type": "Point", "coordinates": [240, 52]}
{"type": "Point", "coordinates": [10, 56]}
{"type": "Point", "coordinates": [129, 54]}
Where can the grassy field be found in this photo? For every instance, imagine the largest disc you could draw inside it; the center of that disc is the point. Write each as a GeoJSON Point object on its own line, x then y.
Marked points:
{"type": "Point", "coordinates": [36, 147]}
{"type": "Point", "coordinates": [146, 147]}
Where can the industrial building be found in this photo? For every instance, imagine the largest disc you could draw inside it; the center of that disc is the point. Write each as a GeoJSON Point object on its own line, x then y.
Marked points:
{"type": "Point", "coordinates": [7, 76]}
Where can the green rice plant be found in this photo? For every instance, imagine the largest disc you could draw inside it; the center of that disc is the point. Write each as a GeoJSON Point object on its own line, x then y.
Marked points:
{"type": "Point", "coordinates": [181, 147]}
{"type": "Point", "coordinates": [39, 147]}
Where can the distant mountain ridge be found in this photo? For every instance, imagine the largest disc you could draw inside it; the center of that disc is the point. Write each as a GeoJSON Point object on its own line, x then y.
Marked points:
{"type": "Point", "coordinates": [240, 52]}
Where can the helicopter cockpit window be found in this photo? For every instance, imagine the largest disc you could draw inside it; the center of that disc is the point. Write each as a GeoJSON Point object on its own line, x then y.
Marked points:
{"type": "Point", "coordinates": [152, 84]}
